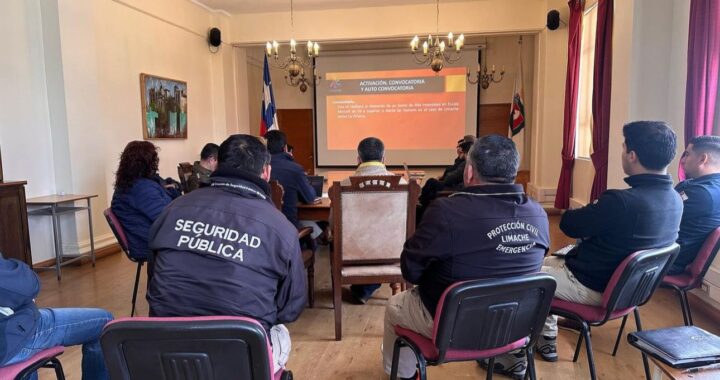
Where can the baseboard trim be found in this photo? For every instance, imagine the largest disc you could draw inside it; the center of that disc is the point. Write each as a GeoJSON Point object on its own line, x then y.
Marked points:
{"type": "Point", "coordinates": [577, 203]}
{"type": "Point", "coordinates": [701, 302]}
{"type": "Point", "coordinates": [544, 195]}
{"type": "Point", "coordinates": [105, 251]}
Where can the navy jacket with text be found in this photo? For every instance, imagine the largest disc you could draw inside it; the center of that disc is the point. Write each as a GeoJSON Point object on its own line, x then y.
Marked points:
{"type": "Point", "coordinates": [19, 285]}
{"type": "Point", "coordinates": [701, 215]}
{"type": "Point", "coordinates": [621, 222]}
{"type": "Point", "coordinates": [488, 231]}
{"type": "Point", "coordinates": [294, 182]}
{"type": "Point", "coordinates": [225, 249]}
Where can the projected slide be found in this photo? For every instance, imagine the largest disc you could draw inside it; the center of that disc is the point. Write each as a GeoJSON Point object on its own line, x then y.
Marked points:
{"type": "Point", "coordinates": [417, 113]}
{"type": "Point", "coordinates": [394, 105]}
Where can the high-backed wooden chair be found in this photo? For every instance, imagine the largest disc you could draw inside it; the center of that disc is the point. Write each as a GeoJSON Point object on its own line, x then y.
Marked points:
{"type": "Point", "coordinates": [185, 172]}
{"type": "Point", "coordinates": [308, 254]}
{"type": "Point", "coordinates": [371, 219]}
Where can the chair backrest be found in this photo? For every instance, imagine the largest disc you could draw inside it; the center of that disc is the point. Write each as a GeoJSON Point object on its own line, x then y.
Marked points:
{"type": "Point", "coordinates": [372, 218]}
{"type": "Point", "coordinates": [491, 313]}
{"type": "Point", "coordinates": [705, 257]}
{"type": "Point", "coordinates": [117, 230]}
{"type": "Point", "coordinates": [276, 193]}
{"type": "Point", "coordinates": [184, 172]}
{"type": "Point", "coordinates": [636, 278]}
{"type": "Point", "coordinates": [188, 348]}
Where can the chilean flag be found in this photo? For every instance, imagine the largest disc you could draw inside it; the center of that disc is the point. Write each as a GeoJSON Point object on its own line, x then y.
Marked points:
{"type": "Point", "coordinates": [268, 122]}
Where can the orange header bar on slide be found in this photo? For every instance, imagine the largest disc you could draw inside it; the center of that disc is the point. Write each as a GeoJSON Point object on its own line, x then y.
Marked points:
{"type": "Point", "coordinates": [394, 73]}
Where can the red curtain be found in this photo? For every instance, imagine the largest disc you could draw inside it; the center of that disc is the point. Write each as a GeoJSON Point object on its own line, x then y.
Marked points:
{"type": "Point", "coordinates": [702, 69]}
{"type": "Point", "coordinates": [602, 80]}
{"type": "Point", "coordinates": [562, 197]}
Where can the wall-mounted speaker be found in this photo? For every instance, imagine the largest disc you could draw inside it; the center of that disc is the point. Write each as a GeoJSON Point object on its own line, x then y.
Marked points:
{"type": "Point", "coordinates": [214, 38]}
{"type": "Point", "coordinates": [553, 19]}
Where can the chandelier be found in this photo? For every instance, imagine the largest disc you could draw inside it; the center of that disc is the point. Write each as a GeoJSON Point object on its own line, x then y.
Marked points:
{"type": "Point", "coordinates": [482, 76]}
{"type": "Point", "coordinates": [437, 52]}
{"type": "Point", "coordinates": [293, 64]}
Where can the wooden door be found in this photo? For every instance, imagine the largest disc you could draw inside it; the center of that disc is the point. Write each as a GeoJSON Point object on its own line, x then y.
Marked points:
{"type": "Point", "coordinates": [298, 126]}
{"type": "Point", "coordinates": [493, 119]}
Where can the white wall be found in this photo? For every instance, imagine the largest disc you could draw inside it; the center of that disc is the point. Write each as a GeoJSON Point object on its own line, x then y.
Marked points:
{"type": "Point", "coordinates": [101, 49]}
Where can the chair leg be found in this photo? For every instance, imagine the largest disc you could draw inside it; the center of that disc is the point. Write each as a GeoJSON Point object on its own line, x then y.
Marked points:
{"type": "Point", "coordinates": [687, 315]}
{"type": "Point", "coordinates": [490, 368]}
{"type": "Point", "coordinates": [337, 305]}
{"type": "Point", "coordinates": [58, 368]}
{"type": "Point", "coordinates": [617, 341]}
{"type": "Point", "coordinates": [638, 324]}
{"type": "Point", "coordinates": [311, 283]}
{"type": "Point", "coordinates": [531, 364]}
{"type": "Point", "coordinates": [588, 345]}
{"type": "Point", "coordinates": [395, 288]}
{"type": "Point", "coordinates": [395, 359]}
{"type": "Point", "coordinates": [135, 289]}
{"type": "Point", "coordinates": [577, 347]}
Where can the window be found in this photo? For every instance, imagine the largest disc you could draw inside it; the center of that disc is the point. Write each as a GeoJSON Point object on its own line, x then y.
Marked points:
{"type": "Point", "coordinates": [583, 126]}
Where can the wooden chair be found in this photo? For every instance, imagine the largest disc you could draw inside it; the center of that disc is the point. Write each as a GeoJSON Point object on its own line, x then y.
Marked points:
{"type": "Point", "coordinates": [308, 254]}
{"type": "Point", "coordinates": [371, 219]}
{"type": "Point", "coordinates": [185, 172]}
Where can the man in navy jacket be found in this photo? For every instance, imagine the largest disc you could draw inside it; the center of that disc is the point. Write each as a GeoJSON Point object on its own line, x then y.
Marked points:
{"type": "Point", "coordinates": [290, 175]}
{"type": "Point", "coordinates": [620, 222]}
{"type": "Point", "coordinates": [225, 249]}
{"type": "Point", "coordinates": [488, 229]}
{"type": "Point", "coordinates": [701, 198]}
{"type": "Point", "coordinates": [26, 329]}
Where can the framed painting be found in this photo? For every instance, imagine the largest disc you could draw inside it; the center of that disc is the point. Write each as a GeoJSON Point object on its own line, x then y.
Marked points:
{"type": "Point", "coordinates": [164, 107]}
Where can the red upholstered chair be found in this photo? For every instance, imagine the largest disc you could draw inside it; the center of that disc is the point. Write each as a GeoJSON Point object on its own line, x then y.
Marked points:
{"type": "Point", "coordinates": [43, 359]}
{"type": "Point", "coordinates": [631, 286]}
{"type": "Point", "coordinates": [119, 233]}
{"type": "Point", "coordinates": [482, 319]}
{"type": "Point", "coordinates": [694, 273]}
{"type": "Point", "coordinates": [188, 348]}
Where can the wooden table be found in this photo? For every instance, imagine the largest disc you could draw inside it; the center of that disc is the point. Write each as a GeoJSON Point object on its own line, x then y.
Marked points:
{"type": "Point", "coordinates": [53, 206]}
{"type": "Point", "coordinates": [317, 211]}
{"type": "Point", "coordinates": [663, 370]}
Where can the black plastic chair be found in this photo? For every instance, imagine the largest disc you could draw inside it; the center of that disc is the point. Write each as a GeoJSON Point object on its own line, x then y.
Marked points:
{"type": "Point", "coordinates": [631, 286]}
{"type": "Point", "coordinates": [120, 236]}
{"type": "Point", "coordinates": [482, 319]}
{"type": "Point", "coordinates": [188, 348]}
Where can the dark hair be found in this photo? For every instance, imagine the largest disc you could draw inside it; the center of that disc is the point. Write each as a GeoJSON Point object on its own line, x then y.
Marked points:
{"type": "Point", "coordinates": [495, 159]}
{"type": "Point", "coordinates": [276, 141]}
{"type": "Point", "coordinates": [371, 149]}
{"type": "Point", "coordinates": [707, 144]}
{"type": "Point", "coordinates": [290, 148]}
{"type": "Point", "coordinates": [465, 146]}
{"type": "Point", "coordinates": [243, 152]}
{"type": "Point", "coordinates": [139, 159]}
{"type": "Point", "coordinates": [653, 142]}
{"type": "Point", "coordinates": [209, 150]}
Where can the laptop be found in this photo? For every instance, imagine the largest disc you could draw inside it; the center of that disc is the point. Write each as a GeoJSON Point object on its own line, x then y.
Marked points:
{"type": "Point", "coordinates": [317, 182]}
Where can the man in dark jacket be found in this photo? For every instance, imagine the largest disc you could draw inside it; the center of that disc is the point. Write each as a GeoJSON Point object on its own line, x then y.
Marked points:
{"type": "Point", "coordinates": [488, 229]}
{"type": "Point", "coordinates": [225, 249]}
{"type": "Point", "coordinates": [26, 330]}
{"type": "Point", "coordinates": [290, 175]}
{"type": "Point", "coordinates": [620, 222]}
{"type": "Point", "coordinates": [202, 169]}
{"type": "Point", "coordinates": [700, 194]}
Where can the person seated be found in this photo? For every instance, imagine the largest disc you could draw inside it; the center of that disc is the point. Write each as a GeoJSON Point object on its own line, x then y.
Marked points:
{"type": "Point", "coordinates": [26, 329]}
{"type": "Point", "coordinates": [140, 195]}
{"type": "Point", "coordinates": [451, 179]}
{"type": "Point", "coordinates": [700, 194]}
{"type": "Point", "coordinates": [488, 229]}
{"type": "Point", "coordinates": [371, 162]}
{"type": "Point", "coordinates": [620, 222]}
{"type": "Point", "coordinates": [202, 169]}
{"type": "Point", "coordinates": [290, 175]}
{"type": "Point", "coordinates": [225, 249]}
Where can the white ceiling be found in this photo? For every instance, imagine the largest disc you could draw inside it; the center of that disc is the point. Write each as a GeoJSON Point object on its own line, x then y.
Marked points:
{"type": "Point", "coordinates": [251, 6]}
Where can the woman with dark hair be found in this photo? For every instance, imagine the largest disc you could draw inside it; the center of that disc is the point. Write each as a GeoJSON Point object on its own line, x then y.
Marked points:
{"type": "Point", "coordinates": [140, 195]}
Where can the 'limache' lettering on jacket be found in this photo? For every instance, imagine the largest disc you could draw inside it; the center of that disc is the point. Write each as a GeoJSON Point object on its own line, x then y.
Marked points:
{"type": "Point", "coordinates": [514, 237]}
{"type": "Point", "coordinates": [210, 238]}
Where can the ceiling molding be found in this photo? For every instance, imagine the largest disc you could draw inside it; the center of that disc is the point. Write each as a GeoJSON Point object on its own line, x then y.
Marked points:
{"type": "Point", "coordinates": [211, 10]}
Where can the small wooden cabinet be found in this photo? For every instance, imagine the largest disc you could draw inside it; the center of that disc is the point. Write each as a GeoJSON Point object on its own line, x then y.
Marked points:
{"type": "Point", "coordinates": [14, 233]}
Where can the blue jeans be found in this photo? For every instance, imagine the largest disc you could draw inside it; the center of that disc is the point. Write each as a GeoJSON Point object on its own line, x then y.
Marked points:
{"type": "Point", "coordinates": [69, 327]}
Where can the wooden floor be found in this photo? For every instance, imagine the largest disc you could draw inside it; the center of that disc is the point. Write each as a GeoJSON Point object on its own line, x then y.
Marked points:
{"type": "Point", "coordinates": [316, 355]}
